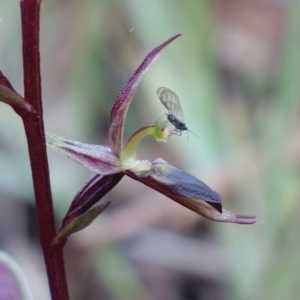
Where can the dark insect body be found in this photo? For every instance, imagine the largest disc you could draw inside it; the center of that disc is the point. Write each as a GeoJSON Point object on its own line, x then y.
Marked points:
{"type": "Point", "coordinates": [175, 115]}
{"type": "Point", "coordinates": [179, 126]}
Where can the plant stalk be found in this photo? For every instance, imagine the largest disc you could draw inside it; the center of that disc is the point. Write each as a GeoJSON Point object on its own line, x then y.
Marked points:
{"type": "Point", "coordinates": [34, 128]}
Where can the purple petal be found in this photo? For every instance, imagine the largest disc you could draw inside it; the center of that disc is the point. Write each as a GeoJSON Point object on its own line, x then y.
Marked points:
{"type": "Point", "coordinates": [188, 191]}
{"type": "Point", "coordinates": [184, 184]}
{"type": "Point", "coordinates": [13, 285]}
{"type": "Point", "coordinates": [97, 158]}
{"type": "Point", "coordinates": [79, 223]}
{"type": "Point", "coordinates": [92, 191]}
{"type": "Point", "coordinates": [177, 185]}
{"type": "Point", "coordinates": [121, 105]}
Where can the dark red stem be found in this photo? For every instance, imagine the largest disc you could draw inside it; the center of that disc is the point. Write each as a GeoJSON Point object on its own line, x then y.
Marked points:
{"type": "Point", "coordinates": [34, 128]}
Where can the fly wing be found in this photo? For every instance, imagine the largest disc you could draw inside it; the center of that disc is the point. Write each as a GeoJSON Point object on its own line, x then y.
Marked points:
{"type": "Point", "coordinates": [171, 102]}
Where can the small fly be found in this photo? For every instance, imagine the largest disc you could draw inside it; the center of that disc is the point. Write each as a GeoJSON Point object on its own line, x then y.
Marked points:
{"type": "Point", "coordinates": [175, 115]}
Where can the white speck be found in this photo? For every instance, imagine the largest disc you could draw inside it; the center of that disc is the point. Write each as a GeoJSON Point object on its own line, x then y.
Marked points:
{"type": "Point", "coordinates": [130, 30]}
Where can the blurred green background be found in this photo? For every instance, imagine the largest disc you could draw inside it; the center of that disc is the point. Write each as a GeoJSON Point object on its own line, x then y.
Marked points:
{"type": "Point", "coordinates": [236, 69]}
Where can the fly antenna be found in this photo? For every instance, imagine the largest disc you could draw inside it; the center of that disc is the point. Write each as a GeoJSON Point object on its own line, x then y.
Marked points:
{"type": "Point", "coordinates": [193, 133]}
{"type": "Point", "coordinates": [160, 118]}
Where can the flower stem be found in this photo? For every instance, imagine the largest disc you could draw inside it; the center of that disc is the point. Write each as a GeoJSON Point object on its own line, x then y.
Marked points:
{"type": "Point", "coordinates": [128, 157]}
{"type": "Point", "coordinates": [34, 128]}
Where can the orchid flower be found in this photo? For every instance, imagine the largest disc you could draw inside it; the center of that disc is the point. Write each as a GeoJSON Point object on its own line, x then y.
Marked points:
{"type": "Point", "coordinates": [111, 163]}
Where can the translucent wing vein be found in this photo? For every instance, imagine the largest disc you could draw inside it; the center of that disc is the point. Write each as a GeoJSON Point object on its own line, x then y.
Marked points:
{"type": "Point", "coordinates": [171, 102]}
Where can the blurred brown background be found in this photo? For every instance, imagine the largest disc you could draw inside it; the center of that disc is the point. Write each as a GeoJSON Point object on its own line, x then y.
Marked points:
{"type": "Point", "coordinates": [236, 69]}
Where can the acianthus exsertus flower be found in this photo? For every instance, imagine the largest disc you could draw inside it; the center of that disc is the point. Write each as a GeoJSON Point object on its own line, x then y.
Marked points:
{"type": "Point", "coordinates": [111, 163]}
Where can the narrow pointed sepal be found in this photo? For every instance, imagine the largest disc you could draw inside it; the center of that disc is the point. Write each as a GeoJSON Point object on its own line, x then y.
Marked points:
{"type": "Point", "coordinates": [121, 105]}
{"type": "Point", "coordinates": [92, 191]}
{"type": "Point", "coordinates": [79, 223]}
{"type": "Point", "coordinates": [9, 96]}
{"type": "Point", "coordinates": [98, 159]}
{"type": "Point", "coordinates": [77, 216]}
